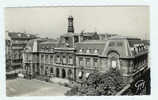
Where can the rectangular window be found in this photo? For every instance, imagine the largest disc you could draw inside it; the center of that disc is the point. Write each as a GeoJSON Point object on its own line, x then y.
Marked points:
{"type": "Point", "coordinates": [52, 50]}
{"type": "Point", "coordinates": [88, 62]}
{"type": "Point", "coordinates": [81, 63]}
{"type": "Point", "coordinates": [42, 58]}
{"type": "Point", "coordinates": [29, 58]}
{"type": "Point", "coordinates": [95, 61]}
{"type": "Point", "coordinates": [58, 59]}
{"type": "Point", "coordinates": [34, 58]}
{"type": "Point", "coordinates": [64, 60]}
{"type": "Point", "coordinates": [76, 39]}
{"type": "Point", "coordinates": [70, 60]}
{"type": "Point", "coordinates": [46, 58]}
{"type": "Point", "coordinates": [51, 59]}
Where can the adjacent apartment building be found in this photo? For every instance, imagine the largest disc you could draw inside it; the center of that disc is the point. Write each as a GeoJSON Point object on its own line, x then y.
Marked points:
{"type": "Point", "coordinates": [14, 50]}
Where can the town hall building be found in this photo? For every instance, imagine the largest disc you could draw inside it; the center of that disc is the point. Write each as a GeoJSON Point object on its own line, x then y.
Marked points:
{"type": "Point", "coordinates": [75, 55]}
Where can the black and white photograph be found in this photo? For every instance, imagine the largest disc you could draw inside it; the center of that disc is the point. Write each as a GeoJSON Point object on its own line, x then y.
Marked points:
{"type": "Point", "coordinates": [77, 51]}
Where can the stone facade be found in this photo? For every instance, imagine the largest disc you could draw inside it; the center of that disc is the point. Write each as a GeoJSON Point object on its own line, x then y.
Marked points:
{"type": "Point", "coordinates": [76, 59]}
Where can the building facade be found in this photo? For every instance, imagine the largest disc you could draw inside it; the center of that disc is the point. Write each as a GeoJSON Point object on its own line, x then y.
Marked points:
{"type": "Point", "coordinates": [15, 47]}
{"type": "Point", "coordinates": [8, 54]}
{"type": "Point", "coordinates": [75, 56]}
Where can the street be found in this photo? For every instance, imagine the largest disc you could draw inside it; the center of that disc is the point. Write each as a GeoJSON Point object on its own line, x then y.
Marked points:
{"type": "Point", "coordinates": [23, 87]}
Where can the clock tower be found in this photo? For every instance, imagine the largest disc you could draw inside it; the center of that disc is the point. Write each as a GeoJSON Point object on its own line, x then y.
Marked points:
{"type": "Point", "coordinates": [70, 25]}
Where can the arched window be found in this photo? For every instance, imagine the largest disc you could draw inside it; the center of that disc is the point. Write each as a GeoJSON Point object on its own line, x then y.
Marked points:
{"type": "Point", "coordinates": [57, 72]}
{"type": "Point", "coordinates": [114, 60]}
{"type": "Point", "coordinates": [51, 70]}
{"type": "Point", "coordinates": [42, 70]}
{"type": "Point", "coordinates": [70, 75]}
{"type": "Point", "coordinates": [63, 73]}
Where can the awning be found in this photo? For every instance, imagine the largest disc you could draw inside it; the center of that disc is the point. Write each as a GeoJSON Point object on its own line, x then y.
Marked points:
{"type": "Point", "coordinates": [87, 74]}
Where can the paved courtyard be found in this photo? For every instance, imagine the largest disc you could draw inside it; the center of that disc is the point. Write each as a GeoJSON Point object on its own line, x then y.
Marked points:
{"type": "Point", "coordinates": [23, 87]}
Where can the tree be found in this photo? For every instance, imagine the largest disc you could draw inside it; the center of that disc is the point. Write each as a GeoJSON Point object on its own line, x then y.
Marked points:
{"type": "Point", "coordinates": [101, 84]}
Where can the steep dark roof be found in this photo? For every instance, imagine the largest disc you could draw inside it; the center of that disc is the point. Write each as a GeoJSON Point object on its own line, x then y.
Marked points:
{"type": "Point", "coordinates": [91, 45]}
{"type": "Point", "coordinates": [117, 37]}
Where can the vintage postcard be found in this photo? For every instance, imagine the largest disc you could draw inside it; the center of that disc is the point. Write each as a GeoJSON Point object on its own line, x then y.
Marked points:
{"type": "Point", "coordinates": [77, 51]}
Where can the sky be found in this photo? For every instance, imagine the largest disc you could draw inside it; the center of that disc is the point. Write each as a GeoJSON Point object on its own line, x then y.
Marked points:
{"type": "Point", "coordinates": [52, 21]}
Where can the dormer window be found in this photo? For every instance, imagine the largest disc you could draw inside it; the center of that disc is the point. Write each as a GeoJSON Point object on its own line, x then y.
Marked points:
{"type": "Point", "coordinates": [136, 45]}
{"type": "Point", "coordinates": [136, 50]}
{"type": "Point", "coordinates": [19, 35]}
{"type": "Point", "coordinates": [88, 51]}
{"type": "Point", "coordinates": [140, 48]}
{"type": "Point", "coordinates": [142, 45]}
{"type": "Point", "coordinates": [96, 51]}
{"type": "Point", "coordinates": [81, 51]}
{"type": "Point", "coordinates": [28, 35]}
{"type": "Point", "coordinates": [132, 49]}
